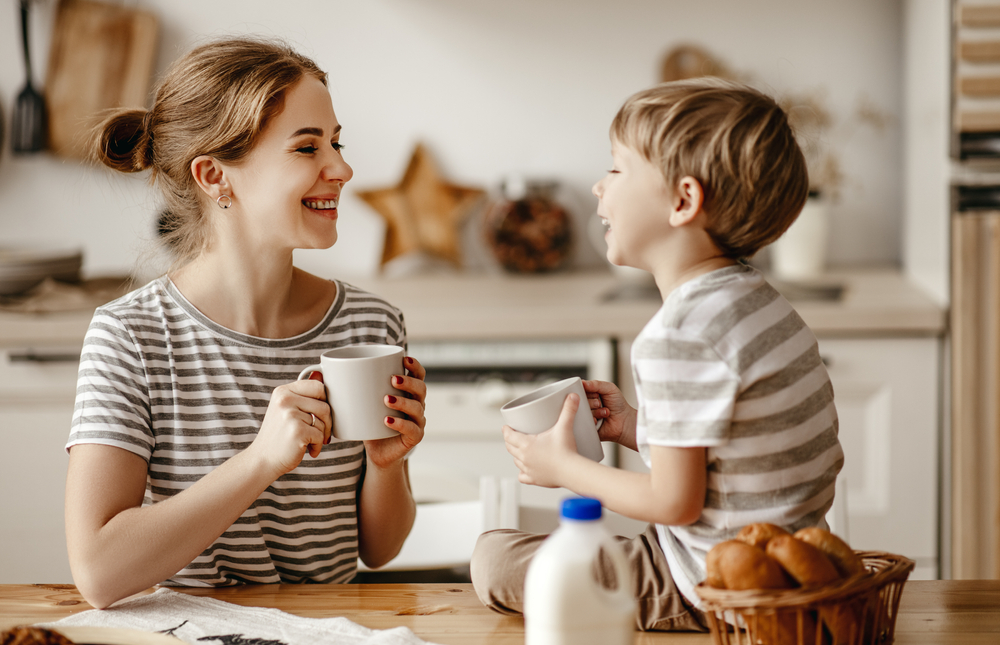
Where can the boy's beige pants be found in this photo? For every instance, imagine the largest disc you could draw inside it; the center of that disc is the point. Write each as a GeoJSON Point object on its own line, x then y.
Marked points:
{"type": "Point", "coordinates": [500, 563]}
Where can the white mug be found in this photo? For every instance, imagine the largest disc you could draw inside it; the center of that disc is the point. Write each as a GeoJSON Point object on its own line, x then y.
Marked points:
{"type": "Point", "coordinates": [538, 410]}
{"type": "Point", "coordinates": [357, 379]}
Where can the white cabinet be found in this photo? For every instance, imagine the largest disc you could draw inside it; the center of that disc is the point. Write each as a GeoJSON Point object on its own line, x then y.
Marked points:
{"type": "Point", "coordinates": [887, 392]}
{"type": "Point", "coordinates": [37, 391]}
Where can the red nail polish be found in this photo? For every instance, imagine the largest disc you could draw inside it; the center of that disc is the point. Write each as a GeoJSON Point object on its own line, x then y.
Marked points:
{"type": "Point", "coordinates": [390, 420]}
{"type": "Point", "coordinates": [409, 361]}
{"type": "Point", "coordinates": [398, 380]}
{"type": "Point", "coordinates": [392, 399]}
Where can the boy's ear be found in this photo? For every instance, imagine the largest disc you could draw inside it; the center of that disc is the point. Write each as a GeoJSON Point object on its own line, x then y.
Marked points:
{"type": "Point", "coordinates": [687, 201]}
{"type": "Point", "coordinates": [210, 176]}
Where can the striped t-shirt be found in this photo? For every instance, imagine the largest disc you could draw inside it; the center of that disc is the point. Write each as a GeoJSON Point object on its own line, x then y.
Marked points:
{"type": "Point", "coordinates": [159, 379]}
{"type": "Point", "coordinates": [727, 364]}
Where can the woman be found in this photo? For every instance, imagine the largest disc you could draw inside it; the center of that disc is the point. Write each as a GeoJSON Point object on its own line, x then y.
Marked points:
{"type": "Point", "coordinates": [187, 452]}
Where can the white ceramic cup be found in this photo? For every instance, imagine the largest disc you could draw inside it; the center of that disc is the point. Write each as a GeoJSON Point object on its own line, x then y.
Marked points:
{"type": "Point", "coordinates": [357, 378]}
{"type": "Point", "coordinates": [538, 410]}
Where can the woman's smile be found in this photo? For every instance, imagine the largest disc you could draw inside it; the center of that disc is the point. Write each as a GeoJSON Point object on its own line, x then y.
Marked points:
{"type": "Point", "coordinates": [323, 206]}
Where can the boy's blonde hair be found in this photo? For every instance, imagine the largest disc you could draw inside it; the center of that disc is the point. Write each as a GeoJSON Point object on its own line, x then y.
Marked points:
{"type": "Point", "coordinates": [736, 141]}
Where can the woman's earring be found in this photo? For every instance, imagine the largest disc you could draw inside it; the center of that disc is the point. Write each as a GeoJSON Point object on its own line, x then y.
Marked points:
{"type": "Point", "coordinates": [226, 204]}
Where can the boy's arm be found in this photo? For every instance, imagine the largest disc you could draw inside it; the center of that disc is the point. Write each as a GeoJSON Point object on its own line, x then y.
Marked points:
{"type": "Point", "coordinates": [673, 492]}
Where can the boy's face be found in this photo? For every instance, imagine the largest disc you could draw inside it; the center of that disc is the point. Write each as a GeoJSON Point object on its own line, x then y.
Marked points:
{"type": "Point", "coordinates": [634, 202]}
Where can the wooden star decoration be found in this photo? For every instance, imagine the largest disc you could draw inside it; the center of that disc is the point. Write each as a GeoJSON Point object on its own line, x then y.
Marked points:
{"type": "Point", "coordinates": [423, 212]}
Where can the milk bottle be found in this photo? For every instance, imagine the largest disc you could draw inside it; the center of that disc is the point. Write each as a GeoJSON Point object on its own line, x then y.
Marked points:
{"type": "Point", "coordinates": [563, 602]}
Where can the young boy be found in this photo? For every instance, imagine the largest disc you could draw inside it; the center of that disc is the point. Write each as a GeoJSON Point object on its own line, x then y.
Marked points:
{"type": "Point", "coordinates": [736, 419]}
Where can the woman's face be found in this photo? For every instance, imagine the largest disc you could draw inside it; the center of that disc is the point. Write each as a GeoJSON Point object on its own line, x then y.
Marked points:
{"type": "Point", "coordinates": [287, 190]}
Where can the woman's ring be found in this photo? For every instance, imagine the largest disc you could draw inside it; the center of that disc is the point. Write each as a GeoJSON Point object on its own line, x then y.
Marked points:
{"type": "Point", "coordinates": [312, 419]}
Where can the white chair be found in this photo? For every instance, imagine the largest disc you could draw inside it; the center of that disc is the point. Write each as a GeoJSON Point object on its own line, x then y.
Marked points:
{"type": "Point", "coordinates": [445, 533]}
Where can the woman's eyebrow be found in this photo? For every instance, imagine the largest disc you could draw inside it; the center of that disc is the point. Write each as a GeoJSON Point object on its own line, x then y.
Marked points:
{"type": "Point", "coordinates": [317, 132]}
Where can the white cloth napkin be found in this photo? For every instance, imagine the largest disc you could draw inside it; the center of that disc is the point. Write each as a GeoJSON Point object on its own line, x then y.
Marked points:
{"type": "Point", "coordinates": [206, 621]}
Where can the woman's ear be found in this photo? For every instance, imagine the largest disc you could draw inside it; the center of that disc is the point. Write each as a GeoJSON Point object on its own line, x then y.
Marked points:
{"type": "Point", "coordinates": [688, 199]}
{"type": "Point", "coordinates": [210, 176]}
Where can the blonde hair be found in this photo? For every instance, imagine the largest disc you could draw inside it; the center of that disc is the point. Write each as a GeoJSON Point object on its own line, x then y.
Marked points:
{"type": "Point", "coordinates": [216, 100]}
{"type": "Point", "coordinates": [736, 142]}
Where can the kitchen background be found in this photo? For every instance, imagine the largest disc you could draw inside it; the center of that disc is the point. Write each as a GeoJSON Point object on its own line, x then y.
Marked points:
{"type": "Point", "coordinates": [524, 88]}
{"type": "Point", "coordinates": [492, 89]}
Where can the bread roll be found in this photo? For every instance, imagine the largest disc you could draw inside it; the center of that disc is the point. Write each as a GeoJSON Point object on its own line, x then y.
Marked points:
{"type": "Point", "coordinates": [840, 554]}
{"type": "Point", "coordinates": [737, 565]}
{"type": "Point", "coordinates": [802, 561]}
{"type": "Point", "coordinates": [758, 534]}
{"type": "Point", "coordinates": [713, 567]}
{"type": "Point", "coordinates": [30, 635]}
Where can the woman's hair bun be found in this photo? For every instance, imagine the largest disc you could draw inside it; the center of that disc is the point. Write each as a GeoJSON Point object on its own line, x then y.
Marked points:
{"type": "Point", "coordinates": [124, 141]}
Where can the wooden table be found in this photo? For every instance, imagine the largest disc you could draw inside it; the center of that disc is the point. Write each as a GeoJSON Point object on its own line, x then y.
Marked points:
{"type": "Point", "coordinates": [952, 612]}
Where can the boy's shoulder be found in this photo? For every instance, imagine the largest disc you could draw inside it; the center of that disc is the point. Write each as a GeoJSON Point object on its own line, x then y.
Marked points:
{"type": "Point", "coordinates": [720, 297]}
{"type": "Point", "coordinates": [734, 310]}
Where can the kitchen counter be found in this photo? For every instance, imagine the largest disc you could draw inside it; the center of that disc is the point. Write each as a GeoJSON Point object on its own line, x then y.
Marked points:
{"type": "Point", "coordinates": [930, 612]}
{"type": "Point", "coordinates": [873, 302]}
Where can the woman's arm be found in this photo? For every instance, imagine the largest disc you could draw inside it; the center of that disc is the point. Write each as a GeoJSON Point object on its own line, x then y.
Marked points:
{"type": "Point", "coordinates": [117, 547]}
{"type": "Point", "coordinates": [673, 492]}
{"type": "Point", "coordinates": [386, 509]}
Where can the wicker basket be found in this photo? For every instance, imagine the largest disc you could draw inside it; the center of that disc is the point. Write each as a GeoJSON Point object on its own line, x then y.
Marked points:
{"type": "Point", "coordinates": [858, 611]}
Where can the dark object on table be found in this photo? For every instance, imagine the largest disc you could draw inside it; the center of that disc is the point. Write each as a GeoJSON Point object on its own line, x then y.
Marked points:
{"type": "Point", "coordinates": [28, 127]}
{"type": "Point", "coordinates": [28, 635]}
{"type": "Point", "coordinates": [528, 231]}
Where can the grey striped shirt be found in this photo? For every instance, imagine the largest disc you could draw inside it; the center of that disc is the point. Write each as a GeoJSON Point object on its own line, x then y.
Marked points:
{"type": "Point", "coordinates": [729, 365]}
{"type": "Point", "coordinates": [159, 379]}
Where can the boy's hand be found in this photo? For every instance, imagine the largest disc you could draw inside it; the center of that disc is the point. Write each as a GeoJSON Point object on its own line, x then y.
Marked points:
{"type": "Point", "coordinates": [542, 457]}
{"type": "Point", "coordinates": [607, 402]}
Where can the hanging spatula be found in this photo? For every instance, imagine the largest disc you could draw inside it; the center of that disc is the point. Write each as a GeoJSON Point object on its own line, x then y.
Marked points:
{"type": "Point", "coordinates": [28, 123]}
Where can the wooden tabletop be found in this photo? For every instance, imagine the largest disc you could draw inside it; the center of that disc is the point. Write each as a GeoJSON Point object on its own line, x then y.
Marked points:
{"type": "Point", "coordinates": [931, 612]}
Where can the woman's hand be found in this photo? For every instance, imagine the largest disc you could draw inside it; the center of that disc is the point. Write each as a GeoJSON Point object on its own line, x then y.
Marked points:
{"type": "Point", "coordinates": [607, 402]}
{"type": "Point", "coordinates": [384, 452]}
{"type": "Point", "coordinates": [297, 421]}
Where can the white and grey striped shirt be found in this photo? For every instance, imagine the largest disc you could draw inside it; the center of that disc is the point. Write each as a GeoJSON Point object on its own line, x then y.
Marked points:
{"type": "Point", "coordinates": [159, 379]}
{"type": "Point", "coordinates": [729, 365]}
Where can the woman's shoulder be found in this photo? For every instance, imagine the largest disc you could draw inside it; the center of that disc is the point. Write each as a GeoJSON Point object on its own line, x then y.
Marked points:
{"type": "Point", "coordinates": [150, 305]}
{"type": "Point", "coordinates": [148, 296]}
{"type": "Point", "coordinates": [355, 298]}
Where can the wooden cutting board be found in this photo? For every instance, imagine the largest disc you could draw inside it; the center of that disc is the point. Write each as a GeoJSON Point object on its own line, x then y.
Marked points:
{"type": "Point", "coordinates": [102, 57]}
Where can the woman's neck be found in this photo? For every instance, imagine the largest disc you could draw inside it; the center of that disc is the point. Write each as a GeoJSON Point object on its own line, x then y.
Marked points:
{"type": "Point", "coordinates": [253, 295]}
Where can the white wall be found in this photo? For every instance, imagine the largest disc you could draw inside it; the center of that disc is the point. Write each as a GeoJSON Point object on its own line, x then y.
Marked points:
{"type": "Point", "coordinates": [926, 195]}
{"type": "Point", "coordinates": [492, 87]}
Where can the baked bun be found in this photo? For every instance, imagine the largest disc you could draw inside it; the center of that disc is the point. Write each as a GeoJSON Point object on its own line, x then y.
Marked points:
{"type": "Point", "coordinates": [713, 566]}
{"type": "Point", "coordinates": [28, 635]}
{"type": "Point", "coordinates": [805, 563]}
{"type": "Point", "coordinates": [840, 554]}
{"type": "Point", "coordinates": [737, 565]}
{"type": "Point", "coordinates": [758, 534]}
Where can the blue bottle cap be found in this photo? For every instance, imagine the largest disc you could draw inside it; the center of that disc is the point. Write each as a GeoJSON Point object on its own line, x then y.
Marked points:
{"type": "Point", "coordinates": [581, 508]}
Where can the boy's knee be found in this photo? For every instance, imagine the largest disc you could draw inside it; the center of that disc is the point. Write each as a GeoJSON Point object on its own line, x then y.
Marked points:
{"type": "Point", "coordinates": [491, 575]}
{"type": "Point", "coordinates": [483, 565]}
